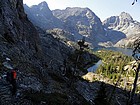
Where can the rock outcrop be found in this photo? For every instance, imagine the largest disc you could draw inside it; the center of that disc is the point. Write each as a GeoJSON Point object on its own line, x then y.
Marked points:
{"type": "Point", "coordinates": [124, 23]}
{"type": "Point", "coordinates": [19, 41]}
{"type": "Point", "coordinates": [62, 34]}
{"type": "Point", "coordinates": [79, 22]}
{"type": "Point", "coordinates": [15, 26]}
{"type": "Point", "coordinates": [38, 57]}
{"type": "Point", "coordinates": [40, 15]}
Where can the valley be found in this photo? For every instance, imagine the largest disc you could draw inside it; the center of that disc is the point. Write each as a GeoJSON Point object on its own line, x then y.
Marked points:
{"type": "Point", "coordinates": [51, 50]}
{"type": "Point", "coordinates": [78, 22]}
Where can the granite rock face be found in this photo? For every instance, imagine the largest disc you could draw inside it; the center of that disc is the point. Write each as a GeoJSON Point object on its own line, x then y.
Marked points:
{"type": "Point", "coordinates": [40, 15]}
{"type": "Point", "coordinates": [79, 22]}
{"type": "Point", "coordinates": [82, 20]}
{"type": "Point", "coordinates": [124, 23]}
{"type": "Point", "coordinates": [15, 26]}
{"type": "Point", "coordinates": [37, 56]}
{"type": "Point", "coordinates": [19, 41]}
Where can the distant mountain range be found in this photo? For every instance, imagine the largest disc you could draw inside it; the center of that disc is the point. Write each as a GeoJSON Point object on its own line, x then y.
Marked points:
{"type": "Point", "coordinates": [124, 23]}
{"type": "Point", "coordinates": [82, 22]}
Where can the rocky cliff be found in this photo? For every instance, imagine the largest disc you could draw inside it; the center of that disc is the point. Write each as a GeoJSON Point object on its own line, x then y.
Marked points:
{"type": "Point", "coordinates": [15, 26]}
{"type": "Point", "coordinates": [124, 23]}
{"type": "Point", "coordinates": [79, 22]}
{"type": "Point", "coordinates": [20, 42]}
{"type": "Point", "coordinates": [40, 15]}
{"type": "Point", "coordinates": [48, 70]}
{"type": "Point", "coordinates": [38, 57]}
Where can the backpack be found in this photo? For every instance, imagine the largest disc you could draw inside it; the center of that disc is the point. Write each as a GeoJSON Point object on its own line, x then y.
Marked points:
{"type": "Point", "coordinates": [11, 76]}
{"type": "Point", "coordinates": [14, 74]}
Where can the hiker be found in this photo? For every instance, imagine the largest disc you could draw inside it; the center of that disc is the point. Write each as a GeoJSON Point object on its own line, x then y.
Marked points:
{"type": "Point", "coordinates": [11, 78]}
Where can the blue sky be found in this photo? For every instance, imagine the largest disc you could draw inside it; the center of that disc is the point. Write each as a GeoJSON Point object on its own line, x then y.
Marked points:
{"type": "Point", "coordinates": [102, 8]}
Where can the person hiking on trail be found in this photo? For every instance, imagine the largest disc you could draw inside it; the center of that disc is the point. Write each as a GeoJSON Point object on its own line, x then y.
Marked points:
{"type": "Point", "coordinates": [11, 78]}
{"type": "Point", "coordinates": [11, 74]}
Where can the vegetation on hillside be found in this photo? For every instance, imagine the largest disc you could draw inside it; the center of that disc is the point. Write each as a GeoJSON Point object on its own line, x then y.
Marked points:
{"type": "Point", "coordinates": [116, 67]}
{"type": "Point", "coordinates": [113, 63]}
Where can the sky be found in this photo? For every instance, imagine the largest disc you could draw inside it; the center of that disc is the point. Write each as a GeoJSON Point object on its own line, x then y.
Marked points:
{"type": "Point", "coordinates": [102, 8]}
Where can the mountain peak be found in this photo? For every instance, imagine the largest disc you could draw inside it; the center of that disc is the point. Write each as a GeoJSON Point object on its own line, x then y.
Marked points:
{"type": "Point", "coordinates": [43, 7]}
{"type": "Point", "coordinates": [43, 4]}
{"type": "Point", "coordinates": [77, 9]}
{"type": "Point", "coordinates": [125, 15]}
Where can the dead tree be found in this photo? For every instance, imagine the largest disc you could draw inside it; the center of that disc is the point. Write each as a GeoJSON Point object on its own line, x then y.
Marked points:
{"type": "Point", "coordinates": [82, 44]}
{"type": "Point", "coordinates": [134, 2]}
{"type": "Point", "coordinates": [136, 55]}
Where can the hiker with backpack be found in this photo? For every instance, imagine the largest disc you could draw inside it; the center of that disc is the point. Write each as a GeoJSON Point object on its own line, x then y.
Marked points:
{"type": "Point", "coordinates": [10, 75]}
{"type": "Point", "coordinates": [11, 78]}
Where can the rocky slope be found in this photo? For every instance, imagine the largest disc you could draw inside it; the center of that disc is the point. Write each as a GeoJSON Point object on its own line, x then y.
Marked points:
{"type": "Point", "coordinates": [15, 26]}
{"type": "Point", "coordinates": [38, 57]}
{"type": "Point", "coordinates": [40, 15]}
{"type": "Point", "coordinates": [20, 42]}
{"type": "Point", "coordinates": [80, 22]}
{"type": "Point", "coordinates": [124, 23]}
